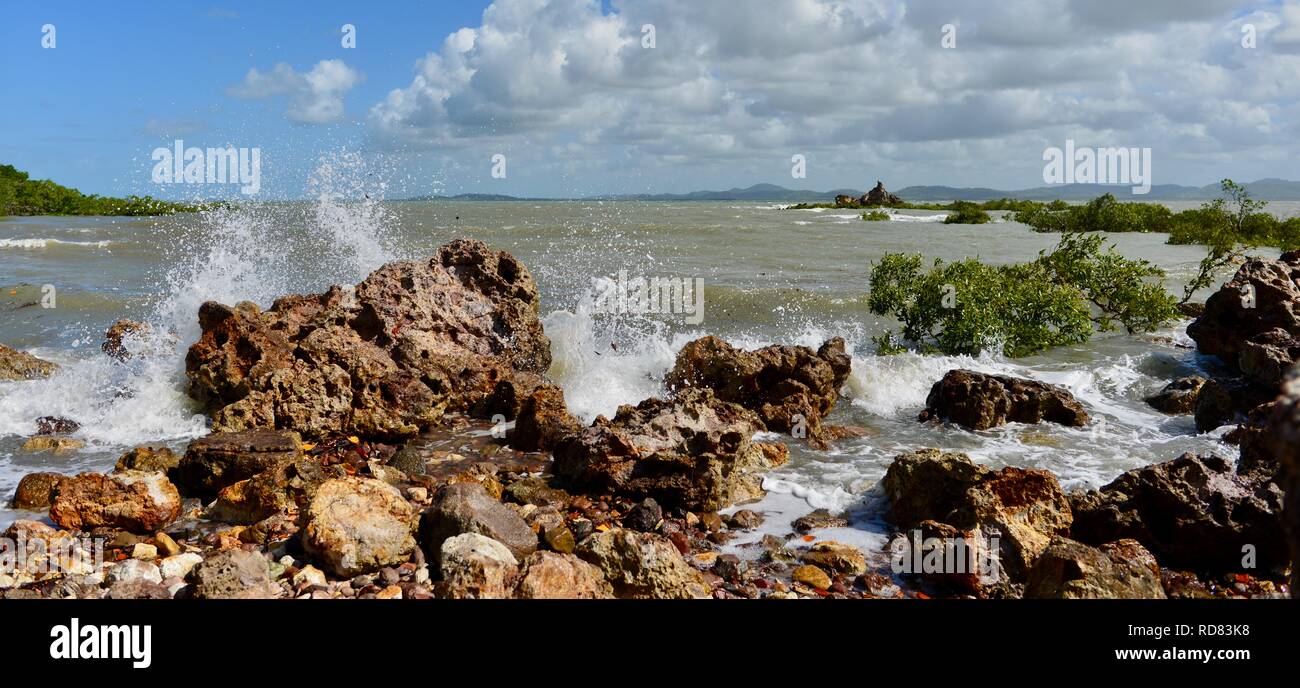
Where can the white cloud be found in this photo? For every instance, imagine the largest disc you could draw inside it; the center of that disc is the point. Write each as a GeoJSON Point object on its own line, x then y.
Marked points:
{"type": "Point", "coordinates": [315, 97]}
{"type": "Point", "coordinates": [850, 83]}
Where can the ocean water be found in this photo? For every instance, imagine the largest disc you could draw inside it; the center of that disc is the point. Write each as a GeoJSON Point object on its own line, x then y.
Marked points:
{"type": "Point", "coordinates": [771, 276]}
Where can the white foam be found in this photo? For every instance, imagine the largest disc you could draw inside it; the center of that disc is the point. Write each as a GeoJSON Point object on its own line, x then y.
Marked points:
{"type": "Point", "coordinates": [47, 243]}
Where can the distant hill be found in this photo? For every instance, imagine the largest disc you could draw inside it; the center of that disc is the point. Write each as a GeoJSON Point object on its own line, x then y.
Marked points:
{"type": "Point", "coordinates": [1264, 189]}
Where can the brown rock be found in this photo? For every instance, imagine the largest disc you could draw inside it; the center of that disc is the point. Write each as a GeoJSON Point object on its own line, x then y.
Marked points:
{"type": "Point", "coordinates": [467, 508]}
{"type": "Point", "coordinates": [37, 490]}
{"type": "Point", "coordinates": [543, 419]}
{"type": "Point", "coordinates": [643, 565]}
{"type": "Point", "coordinates": [978, 401]}
{"type": "Point", "coordinates": [18, 365]}
{"type": "Point", "coordinates": [835, 556]}
{"type": "Point", "coordinates": [811, 576]}
{"type": "Point", "coordinates": [225, 458]}
{"type": "Point", "coordinates": [58, 445]}
{"type": "Point", "coordinates": [474, 566]}
{"type": "Point", "coordinates": [152, 459]}
{"type": "Point", "coordinates": [119, 335]}
{"type": "Point", "coordinates": [1262, 298]}
{"type": "Point", "coordinates": [1178, 398]}
{"type": "Point", "coordinates": [553, 576]}
{"type": "Point", "coordinates": [135, 501]}
{"type": "Point", "coordinates": [1073, 570]}
{"type": "Point", "coordinates": [234, 574]}
{"type": "Point", "coordinates": [358, 525]}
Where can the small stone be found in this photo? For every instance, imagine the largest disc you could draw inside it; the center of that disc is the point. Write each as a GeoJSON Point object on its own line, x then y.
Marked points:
{"type": "Point", "coordinates": [309, 575]}
{"type": "Point", "coordinates": [745, 519]}
{"type": "Point", "coordinates": [58, 445]}
{"type": "Point", "coordinates": [821, 518]}
{"type": "Point", "coordinates": [179, 565]}
{"type": "Point", "coordinates": [392, 592]}
{"type": "Point", "coordinates": [166, 544]}
{"type": "Point", "coordinates": [417, 494]}
{"type": "Point", "coordinates": [133, 570]}
{"type": "Point", "coordinates": [645, 516]}
{"type": "Point", "coordinates": [389, 576]}
{"type": "Point", "coordinates": [836, 556]}
{"type": "Point", "coordinates": [144, 551]}
{"type": "Point", "coordinates": [811, 576]}
{"type": "Point", "coordinates": [730, 567]}
{"type": "Point", "coordinates": [560, 539]}
{"type": "Point", "coordinates": [711, 521]}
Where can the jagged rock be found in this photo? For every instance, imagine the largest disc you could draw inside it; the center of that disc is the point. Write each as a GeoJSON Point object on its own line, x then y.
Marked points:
{"type": "Point", "coordinates": [358, 525]}
{"type": "Point", "coordinates": [1259, 455]}
{"type": "Point", "coordinates": [1073, 570]}
{"type": "Point", "coordinates": [1261, 300]}
{"type": "Point", "coordinates": [468, 508]}
{"type": "Point", "coordinates": [119, 335]}
{"type": "Point", "coordinates": [53, 425]}
{"type": "Point", "coordinates": [19, 365]}
{"type": "Point", "coordinates": [58, 445]}
{"type": "Point", "coordinates": [543, 420]}
{"type": "Point", "coordinates": [643, 565]}
{"type": "Point", "coordinates": [475, 566]}
{"type": "Point", "coordinates": [846, 201]}
{"type": "Point", "coordinates": [154, 459]}
{"type": "Point", "coordinates": [693, 451]}
{"type": "Point", "coordinates": [835, 556]}
{"type": "Point", "coordinates": [555, 576]}
{"type": "Point", "coordinates": [1283, 430]}
{"type": "Point", "coordinates": [1178, 398]}
{"type": "Point", "coordinates": [878, 196]}
{"type": "Point", "coordinates": [384, 359]}
{"type": "Point", "coordinates": [1223, 401]}
{"type": "Point", "coordinates": [979, 401]}
{"type": "Point", "coordinates": [135, 501]}
{"type": "Point", "coordinates": [234, 574]}
{"type": "Point", "coordinates": [37, 490]}
{"type": "Point", "coordinates": [1192, 512]}
{"type": "Point", "coordinates": [285, 490]}
{"type": "Point", "coordinates": [1023, 507]}
{"type": "Point", "coordinates": [225, 458]}
{"type": "Point", "coordinates": [791, 388]}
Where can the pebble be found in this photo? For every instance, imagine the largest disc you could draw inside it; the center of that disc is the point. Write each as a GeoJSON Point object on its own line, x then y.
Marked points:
{"type": "Point", "coordinates": [392, 592]}
{"type": "Point", "coordinates": [811, 576]}
{"type": "Point", "coordinates": [143, 551]}
{"type": "Point", "coordinates": [417, 494]}
{"type": "Point", "coordinates": [166, 545]}
{"type": "Point", "coordinates": [309, 575]}
{"type": "Point", "coordinates": [180, 565]}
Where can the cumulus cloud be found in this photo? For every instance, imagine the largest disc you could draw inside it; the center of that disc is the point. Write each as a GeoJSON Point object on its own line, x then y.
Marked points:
{"type": "Point", "coordinates": [852, 82]}
{"type": "Point", "coordinates": [315, 96]}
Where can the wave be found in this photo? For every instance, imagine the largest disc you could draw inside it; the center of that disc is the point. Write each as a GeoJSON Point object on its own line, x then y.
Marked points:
{"type": "Point", "coordinates": [47, 243]}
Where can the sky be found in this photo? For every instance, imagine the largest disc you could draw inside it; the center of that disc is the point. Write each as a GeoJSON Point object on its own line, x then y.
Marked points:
{"type": "Point", "coordinates": [583, 97]}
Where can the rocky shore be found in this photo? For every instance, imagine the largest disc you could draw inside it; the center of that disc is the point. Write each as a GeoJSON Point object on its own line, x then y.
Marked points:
{"type": "Point", "coordinates": [399, 439]}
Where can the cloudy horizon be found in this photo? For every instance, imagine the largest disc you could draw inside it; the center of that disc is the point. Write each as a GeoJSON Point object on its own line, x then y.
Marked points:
{"type": "Point", "coordinates": [633, 96]}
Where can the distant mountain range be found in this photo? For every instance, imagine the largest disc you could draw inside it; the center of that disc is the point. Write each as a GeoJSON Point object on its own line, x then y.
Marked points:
{"type": "Point", "coordinates": [1264, 189]}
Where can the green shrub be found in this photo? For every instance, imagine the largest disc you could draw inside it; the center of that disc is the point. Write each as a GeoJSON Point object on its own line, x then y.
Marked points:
{"type": "Point", "coordinates": [20, 195]}
{"type": "Point", "coordinates": [876, 216]}
{"type": "Point", "coordinates": [966, 213]}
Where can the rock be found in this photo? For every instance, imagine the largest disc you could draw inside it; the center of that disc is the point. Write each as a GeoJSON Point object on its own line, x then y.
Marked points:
{"type": "Point", "coordinates": [133, 570]}
{"type": "Point", "coordinates": [835, 556]}
{"type": "Point", "coordinates": [745, 519]}
{"type": "Point", "coordinates": [730, 567]}
{"type": "Point", "coordinates": [1023, 507]}
{"type": "Point", "coordinates": [382, 360]}
{"type": "Point", "coordinates": [160, 459]}
{"type": "Point", "coordinates": [1223, 401]}
{"type": "Point", "coordinates": [476, 566]}
{"type": "Point", "coordinates": [284, 490]}
{"type": "Point", "coordinates": [119, 336]}
{"type": "Point", "coordinates": [166, 545]}
{"type": "Point", "coordinates": [1193, 512]}
{"type": "Point", "coordinates": [644, 517]}
{"type": "Point", "coordinates": [1072, 570]}
{"type": "Point", "coordinates": [1259, 455]}
{"type": "Point", "coordinates": [144, 550]}
{"type": "Point", "coordinates": [554, 576]}
{"type": "Point", "coordinates": [643, 565]}
{"type": "Point", "coordinates": [309, 575]}
{"type": "Point", "coordinates": [978, 401]}
{"type": "Point", "coordinates": [692, 452]}
{"type": "Point", "coordinates": [790, 388]}
{"type": "Point", "coordinates": [467, 508]}
{"type": "Point", "coordinates": [135, 501]}
{"type": "Point", "coordinates": [1283, 431]}
{"type": "Point", "coordinates": [811, 576]}
{"type": "Point", "coordinates": [225, 458]}
{"type": "Point", "coordinates": [179, 565]}
{"type": "Point", "coordinates": [58, 445]}
{"type": "Point", "coordinates": [358, 525]}
{"type": "Point", "coordinates": [37, 490]}
{"type": "Point", "coordinates": [818, 519]}
{"type": "Point", "coordinates": [543, 419]}
{"type": "Point", "coordinates": [536, 490]}
{"type": "Point", "coordinates": [18, 365]}
{"type": "Point", "coordinates": [1262, 298]}
{"type": "Point", "coordinates": [139, 590]}
{"type": "Point", "coordinates": [845, 201]}
{"type": "Point", "coordinates": [878, 196]}
{"type": "Point", "coordinates": [234, 574]}
{"type": "Point", "coordinates": [1178, 398]}
{"type": "Point", "coordinates": [53, 425]}
{"type": "Point", "coordinates": [560, 539]}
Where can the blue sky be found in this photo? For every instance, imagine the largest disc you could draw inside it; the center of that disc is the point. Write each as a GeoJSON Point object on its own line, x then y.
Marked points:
{"type": "Point", "coordinates": [572, 95]}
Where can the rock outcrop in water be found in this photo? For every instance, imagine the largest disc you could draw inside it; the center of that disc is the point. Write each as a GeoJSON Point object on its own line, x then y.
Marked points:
{"type": "Point", "coordinates": [384, 359]}
{"type": "Point", "coordinates": [978, 401]}
{"type": "Point", "coordinates": [693, 451]}
{"type": "Point", "coordinates": [1252, 321]}
{"type": "Point", "coordinates": [20, 365]}
{"type": "Point", "coordinates": [878, 196]}
{"type": "Point", "coordinates": [791, 388]}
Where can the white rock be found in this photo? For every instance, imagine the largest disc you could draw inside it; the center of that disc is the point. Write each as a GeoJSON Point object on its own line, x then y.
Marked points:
{"type": "Point", "coordinates": [309, 574]}
{"type": "Point", "coordinates": [179, 566]}
{"type": "Point", "coordinates": [144, 550]}
{"type": "Point", "coordinates": [132, 570]}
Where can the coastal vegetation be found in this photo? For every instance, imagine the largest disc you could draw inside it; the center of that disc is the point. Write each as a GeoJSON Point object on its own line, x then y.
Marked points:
{"type": "Point", "coordinates": [875, 216]}
{"type": "Point", "coordinates": [1063, 297]}
{"type": "Point", "coordinates": [967, 213]}
{"type": "Point", "coordinates": [20, 195]}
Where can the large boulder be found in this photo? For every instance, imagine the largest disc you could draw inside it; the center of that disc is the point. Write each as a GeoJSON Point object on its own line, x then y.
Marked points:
{"type": "Point", "coordinates": [1072, 570]}
{"type": "Point", "coordinates": [693, 451]}
{"type": "Point", "coordinates": [222, 459]}
{"type": "Point", "coordinates": [1194, 513]}
{"type": "Point", "coordinates": [19, 365]}
{"type": "Point", "coordinates": [383, 359]}
{"type": "Point", "coordinates": [556, 576]}
{"type": "Point", "coordinates": [1284, 433]}
{"type": "Point", "coordinates": [283, 490]}
{"type": "Point", "coordinates": [135, 501]}
{"type": "Point", "coordinates": [1223, 401]}
{"type": "Point", "coordinates": [1178, 398]}
{"type": "Point", "coordinates": [791, 388]}
{"type": "Point", "coordinates": [643, 565]}
{"type": "Point", "coordinates": [475, 566]}
{"type": "Point", "coordinates": [1250, 321]}
{"type": "Point", "coordinates": [468, 508]}
{"type": "Point", "coordinates": [358, 525]}
{"type": "Point", "coordinates": [1024, 508]}
{"type": "Point", "coordinates": [979, 401]}
{"type": "Point", "coordinates": [234, 575]}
